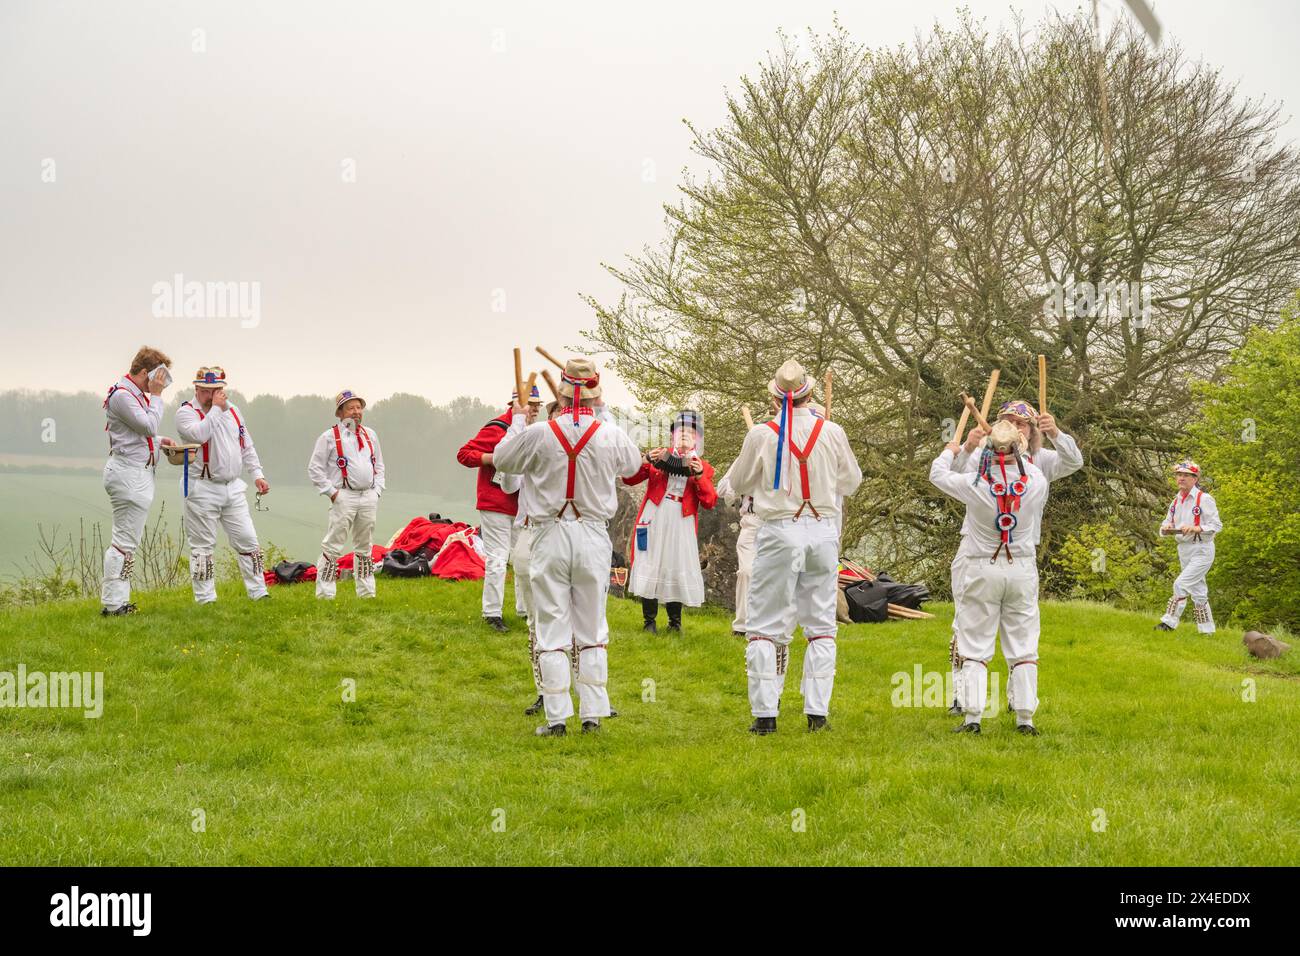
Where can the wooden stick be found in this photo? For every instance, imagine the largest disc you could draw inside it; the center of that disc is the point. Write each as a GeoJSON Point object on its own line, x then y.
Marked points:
{"type": "Point", "coordinates": [827, 393]}
{"type": "Point", "coordinates": [961, 425]}
{"type": "Point", "coordinates": [550, 383]}
{"type": "Point", "coordinates": [979, 417]}
{"type": "Point", "coordinates": [1042, 384]}
{"type": "Point", "coordinates": [551, 358]}
{"type": "Point", "coordinates": [519, 379]}
{"type": "Point", "coordinates": [988, 399]}
{"type": "Point", "coordinates": [528, 395]}
{"type": "Point", "coordinates": [749, 419]}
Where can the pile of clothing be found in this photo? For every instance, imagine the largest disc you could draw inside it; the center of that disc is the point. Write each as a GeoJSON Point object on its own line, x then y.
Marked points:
{"type": "Point", "coordinates": [433, 546]}
{"type": "Point", "coordinates": [868, 596]}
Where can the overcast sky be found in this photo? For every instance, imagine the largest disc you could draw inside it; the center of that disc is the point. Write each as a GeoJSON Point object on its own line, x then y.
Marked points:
{"type": "Point", "coordinates": [500, 152]}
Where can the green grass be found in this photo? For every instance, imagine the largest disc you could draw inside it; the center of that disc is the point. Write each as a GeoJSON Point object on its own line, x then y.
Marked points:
{"type": "Point", "coordinates": [237, 709]}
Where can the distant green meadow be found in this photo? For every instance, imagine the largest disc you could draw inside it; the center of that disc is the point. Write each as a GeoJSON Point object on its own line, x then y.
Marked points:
{"type": "Point", "coordinates": [295, 520]}
{"type": "Point", "coordinates": [392, 732]}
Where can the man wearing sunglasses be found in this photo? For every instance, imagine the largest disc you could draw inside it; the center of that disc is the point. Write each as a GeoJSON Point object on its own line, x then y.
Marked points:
{"type": "Point", "coordinates": [216, 490]}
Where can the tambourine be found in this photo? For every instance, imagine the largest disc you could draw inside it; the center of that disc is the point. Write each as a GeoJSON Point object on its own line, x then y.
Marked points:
{"type": "Point", "coordinates": [1006, 521]}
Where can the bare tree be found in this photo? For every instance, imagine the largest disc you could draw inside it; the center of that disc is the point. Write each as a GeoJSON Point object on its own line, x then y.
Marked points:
{"type": "Point", "coordinates": [915, 217]}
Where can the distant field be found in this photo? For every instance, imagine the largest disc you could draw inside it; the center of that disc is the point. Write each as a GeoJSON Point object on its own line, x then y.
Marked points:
{"type": "Point", "coordinates": [295, 521]}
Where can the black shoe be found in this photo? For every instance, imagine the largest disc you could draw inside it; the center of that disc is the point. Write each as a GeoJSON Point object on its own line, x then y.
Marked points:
{"type": "Point", "coordinates": [551, 730]}
{"type": "Point", "coordinates": [965, 728]}
{"type": "Point", "coordinates": [118, 611]}
{"type": "Point", "coordinates": [817, 722]}
{"type": "Point", "coordinates": [674, 627]}
{"type": "Point", "coordinates": [496, 624]}
{"type": "Point", "coordinates": [590, 726]}
{"type": "Point", "coordinates": [739, 634]}
{"type": "Point", "coordinates": [613, 712]}
{"type": "Point", "coordinates": [650, 627]}
{"type": "Point", "coordinates": [955, 709]}
{"type": "Point", "coordinates": [1029, 730]}
{"type": "Point", "coordinates": [535, 708]}
{"type": "Point", "coordinates": [763, 725]}
{"type": "Point", "coordinates": [1162, 626]}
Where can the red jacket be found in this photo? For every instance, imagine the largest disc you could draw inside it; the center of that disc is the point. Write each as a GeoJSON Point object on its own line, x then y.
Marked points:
{"type": "Point", "coordinates": [490, 495]}
{"type": "Point", "coordinates": [699, 492]}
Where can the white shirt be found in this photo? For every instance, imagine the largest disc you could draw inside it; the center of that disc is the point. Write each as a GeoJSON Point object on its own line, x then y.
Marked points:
{"type": "Point", "coordinates": [534, 452]}
{"type": "Point", "coordinates": [833, 472]}
{"type": "Point", "coordinates": [983, 537]}
{"type": "Point", "coordinates": [133, 417]}
{"type": "Point", "coordinates": [1065, 459]}
{"type": "Point", "coordinates": [217, 427]}
{"type": "Point", "coordinates": [1183, 505]}
{"type": "Point", "coordinates": [323, 469]}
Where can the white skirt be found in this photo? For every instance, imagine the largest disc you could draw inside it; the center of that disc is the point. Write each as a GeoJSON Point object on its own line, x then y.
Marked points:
{"type": "Point", "coordinates": [669, 568]}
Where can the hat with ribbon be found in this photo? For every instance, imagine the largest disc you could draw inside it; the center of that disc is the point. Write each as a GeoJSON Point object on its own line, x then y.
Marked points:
{"type": "Point", "coordinates": [1187, 467]}
{"type": "Point", "coordinates": [579, 380]}
{"type": "Point", "coordinates": [211, 376]}
{"type": "Point", "coordinates": [345, 396]}
{"type": "Point", "coordinates": [1018, 409]}
{"type": "Point", "coordinates": [789, 384]}
{"type": "Point", "coordinates": [534, 396]}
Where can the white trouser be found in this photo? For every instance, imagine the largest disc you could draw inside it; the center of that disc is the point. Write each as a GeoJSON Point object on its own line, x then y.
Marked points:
{"type": "Point", "coordinates": [568, 580]}
{"type": "Point", "coordinates": [998, 598]}
{"type": "Point", "coordinates": [497, 531]}
{"type": "Point", "coordinates": [1196, 557]}
{"type": "Point", "coordinates": [953, 655]}
{"type": "Point", "coordinates": [211, 503]}
{"type": "Point", "coordinates": [352, 518]}
{"type": "Point", "coordinates": [130, 491]}
{"type": "Point", "coordinates": [520, 559]}
{"type": "Point", "coordinates": [744, 566]}
{"type": "Point", "coordinates": [795, 562]}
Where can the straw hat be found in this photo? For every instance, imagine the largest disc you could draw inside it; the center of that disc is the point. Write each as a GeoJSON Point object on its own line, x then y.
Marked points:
{"type": "Point", "coordinates": [1187, 467]}
{"type": "Point", "coordinates": [790, 377]}
{"type": "Point", "coordinates": [211, 376]}
{"type": "Point", "coordinates": [346, 396]}
{"type": "Point", "coordinates": [580, 373]}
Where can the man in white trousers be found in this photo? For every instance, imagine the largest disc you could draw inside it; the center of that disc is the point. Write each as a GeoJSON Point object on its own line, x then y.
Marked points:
{"type": "Point", "coordinates": [1055, 463]}
{"type": "Point", "coordinates": [1193, 520]}
{"type": "Point", "coordinates": [521, 553]}
{"type": "Point", "coordinates": [347, 467]}
{"type": "Point", "coordinates": [997, 573]}
{"type": "Point", "coordinates": [571, 465]}
{"type": "Point", "coordinates": [749, 524]}
{"type": "Point", "coordinates": [798, 468]}
{"type": "Point", "coordinates": [134, 408]}
{"type": "Point", "coordinates": [216, 491]}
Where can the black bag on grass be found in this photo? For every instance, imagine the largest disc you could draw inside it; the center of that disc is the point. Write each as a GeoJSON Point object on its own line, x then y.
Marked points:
{"type": "Point", "coordinates": [867, 602]}
{"type": "Point", "coordinates": [403, 564]}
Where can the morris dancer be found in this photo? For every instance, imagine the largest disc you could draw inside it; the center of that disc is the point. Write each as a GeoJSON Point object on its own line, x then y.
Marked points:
{"type": "Point", "coordinates": [496, 512]}
{"type": "Point", "coordinates": [134, 410]}
{"type": "Point", "coordinates": [1055, 463]}
{"type": "Point", "coordinates": [216, 490]}
{"type": "Point", "coordinates": [347, 466]}
{"type": "Point", "coordinates": [749, 525]}
{"type": "Point", "coordinates": [999, 593]}
{"type": "Point", "coordinates": [666, 554]}
{"type": "Point", "coordinates": [571, 465]}
{"type": "Point", "coordinates": [797, 546]}
{"type": "Point", "coordinates": [1193, 520]}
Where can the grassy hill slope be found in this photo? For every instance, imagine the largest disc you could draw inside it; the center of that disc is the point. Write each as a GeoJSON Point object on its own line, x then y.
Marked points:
{"type": "Point", "coordinates": [236, 709]}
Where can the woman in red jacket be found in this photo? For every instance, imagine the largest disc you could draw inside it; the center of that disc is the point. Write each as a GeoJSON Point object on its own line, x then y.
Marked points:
{"type": "Point", "coordinates": [665, 551]}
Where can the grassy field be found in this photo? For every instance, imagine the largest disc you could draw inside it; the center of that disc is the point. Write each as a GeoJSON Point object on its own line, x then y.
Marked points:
{"type": "Point", "coordinates": [236, 710]}
{"type": "Point", "coordinates": [295, 520]}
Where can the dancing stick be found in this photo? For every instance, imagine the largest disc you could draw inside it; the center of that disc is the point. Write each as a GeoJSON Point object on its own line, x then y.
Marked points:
{"type": "Point", "coordinates": [1042, 384]}
{"type": "Point", "coordinates": [551, 358]}
{"type": "Point", "coordinates": [979, 417]}
{"type": "Point", "coordinates": [550, 383]}
{"type": "Point", "coordinates": [827, 393]}
{"type": "Point", "coordinates": [749, 419]}
{"type": "Point", "coordinates": [961, 425]}
{"type": "Point", "coordinates": [988, 399]}
{"type": "Point", "coordinates": [519, 378]}
{"type": "Point", "coordinates": [528, 395]}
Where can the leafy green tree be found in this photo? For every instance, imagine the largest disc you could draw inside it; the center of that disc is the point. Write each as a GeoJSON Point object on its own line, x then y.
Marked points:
{"type": "Point", "coordinates": [1248, 443]}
